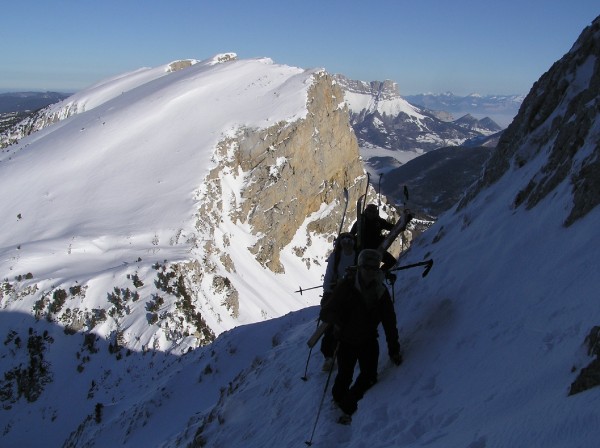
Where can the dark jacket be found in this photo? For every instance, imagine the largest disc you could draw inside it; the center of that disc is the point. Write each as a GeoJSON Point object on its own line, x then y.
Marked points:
{"type": "Point", "coordinates": [355, 320]}
{"type": "Point", "coordinates": [371, 230]}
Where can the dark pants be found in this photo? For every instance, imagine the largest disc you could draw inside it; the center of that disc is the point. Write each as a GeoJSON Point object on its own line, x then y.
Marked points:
{"type": "Point", "coordinates": [367, 355]}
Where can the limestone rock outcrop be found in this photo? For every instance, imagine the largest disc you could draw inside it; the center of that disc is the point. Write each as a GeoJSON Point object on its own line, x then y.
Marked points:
{"type": "Point", "coordinates": [290, 170]}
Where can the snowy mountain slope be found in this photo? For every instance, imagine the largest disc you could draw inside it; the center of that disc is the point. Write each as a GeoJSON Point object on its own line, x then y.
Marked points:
{"type": "Point", "coordinates": [95, 95]}
{"type": "Point", "coordinates": [494, 335]}
{"type": "Point", "coordinates": [487, 363]}
{"type": "Point", "coordinates": [157, 212]}
{"type": "Point", "coordinates": [161, 209]}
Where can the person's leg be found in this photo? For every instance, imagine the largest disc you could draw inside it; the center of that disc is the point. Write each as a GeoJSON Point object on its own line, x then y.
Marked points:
{"type": "Point", "coordinates": [346, 359]}
{"type": "Point", "coordinates": [328, 344]}
{"type": "Point", "coordinates": [367, 360]}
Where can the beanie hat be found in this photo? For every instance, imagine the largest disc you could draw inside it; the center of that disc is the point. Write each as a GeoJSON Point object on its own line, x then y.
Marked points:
{"type": "Point", "coordinates": [369, 257]}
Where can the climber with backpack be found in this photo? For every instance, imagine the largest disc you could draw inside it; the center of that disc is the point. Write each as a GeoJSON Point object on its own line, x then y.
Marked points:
{"type": "Point", "coordinates": [358, 304]}
{"type": "Point", "coordinates": [341, 258]}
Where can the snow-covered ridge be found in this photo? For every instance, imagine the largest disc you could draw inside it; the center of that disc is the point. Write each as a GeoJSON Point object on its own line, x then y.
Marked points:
{"type": "Point", "coordinates": [103, 197]}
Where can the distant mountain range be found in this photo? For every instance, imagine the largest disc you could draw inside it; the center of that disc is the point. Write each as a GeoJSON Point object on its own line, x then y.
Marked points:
{"type": "Point", "coordinates": [383, 119]}
{"type": "Point", "coordinates": [429, 151]}
{"type": "Point", "coordinates": [28, 101]}
{"type": "Point", "coordinates": [501, 108]}
{"type": "Point", "coordinates": [17, 106]}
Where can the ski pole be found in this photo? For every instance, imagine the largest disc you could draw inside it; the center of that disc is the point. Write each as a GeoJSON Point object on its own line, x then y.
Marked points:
{"type": "Point", "coordinates": [343, 214]}
{"type": "Point", "coordinates": [406, 208]}
{"type": "Point", "coordinates": [305, 378]}
{"type": "Point", "coordinates": [427, 263]}
{"type": "Point", "coordinates": [309, 442]}
{"type": "Point", "coordinates": [301, 290]}
{"type": "Point", "coordinates": [379, 191]}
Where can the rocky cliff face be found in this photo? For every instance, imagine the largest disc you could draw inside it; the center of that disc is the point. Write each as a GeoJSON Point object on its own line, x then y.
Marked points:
{"type": "Point", "coordinates": [558, 126]}
{"type": "Point", "coordinates": [288, 172]}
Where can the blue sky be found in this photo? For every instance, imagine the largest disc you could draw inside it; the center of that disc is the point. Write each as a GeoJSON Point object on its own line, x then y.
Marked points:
{"type": "Point", "coordinates": [462, 46]}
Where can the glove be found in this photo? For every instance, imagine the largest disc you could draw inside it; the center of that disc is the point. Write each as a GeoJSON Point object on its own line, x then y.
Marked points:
{"type": "Point", "coordinates": [396, 358]}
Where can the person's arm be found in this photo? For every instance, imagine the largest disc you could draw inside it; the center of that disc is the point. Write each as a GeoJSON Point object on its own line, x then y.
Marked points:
{"type": "Point", "coordinates": [328, 280]}
{"type": "Point", "coordinates": [385, 224]}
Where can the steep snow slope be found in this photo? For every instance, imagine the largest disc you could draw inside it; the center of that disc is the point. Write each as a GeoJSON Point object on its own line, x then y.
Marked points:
{"type": "Point", "coordinates": [494, 336]}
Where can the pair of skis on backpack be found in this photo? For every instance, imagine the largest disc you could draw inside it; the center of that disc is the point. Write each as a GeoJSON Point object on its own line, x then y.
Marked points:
{"type": "Point", "coordinates": [398, 228]}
